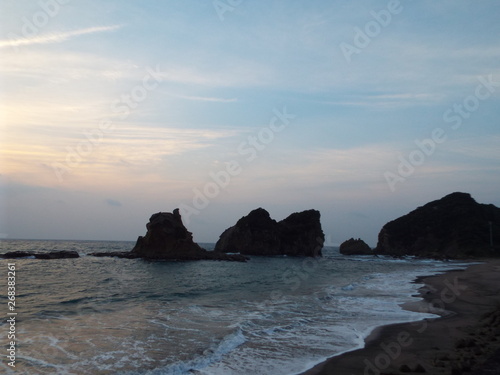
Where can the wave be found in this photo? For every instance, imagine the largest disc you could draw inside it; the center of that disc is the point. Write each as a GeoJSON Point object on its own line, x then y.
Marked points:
{"type": "Point", "coordinates": [209, 356]}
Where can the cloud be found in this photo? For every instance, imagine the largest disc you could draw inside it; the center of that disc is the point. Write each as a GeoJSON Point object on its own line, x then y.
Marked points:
{"type": "Point", "coordinates": [205, 98]}
{"type": "Point", "coordinates": [387, 101]}
{"type": "Point", "coordinates": [110, 158]}
{"type": "Point", "coordinates": [229, 71]}
{"type": "Point", "coordinates": [59, 37]}
{"type": "Point", "coordinates": [113, 203]}
{"type": "Point", "coordinates": [346, 173]}
{"type": "Point", "coordinates": [484, 148]}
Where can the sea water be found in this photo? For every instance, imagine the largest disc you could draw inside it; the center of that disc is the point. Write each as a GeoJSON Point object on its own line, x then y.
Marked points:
{"type": "Point", "coordinates": [277, 315]}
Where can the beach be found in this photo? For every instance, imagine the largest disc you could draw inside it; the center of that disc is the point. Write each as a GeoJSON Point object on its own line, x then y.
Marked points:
{"type": "Point", "coordinates": [109, 315]}
{"type": "Point", "coordinates": [464, 339]}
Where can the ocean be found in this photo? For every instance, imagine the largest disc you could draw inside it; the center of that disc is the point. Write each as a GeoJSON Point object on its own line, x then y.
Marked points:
{"type": "Point", "coordinates": [277, 315]}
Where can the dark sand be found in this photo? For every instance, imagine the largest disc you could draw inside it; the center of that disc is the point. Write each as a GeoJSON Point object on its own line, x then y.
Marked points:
{"type": "Point", "coordinates": [464, 340]}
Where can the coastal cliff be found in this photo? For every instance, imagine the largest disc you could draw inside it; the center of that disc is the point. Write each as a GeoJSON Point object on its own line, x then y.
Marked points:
{"type": "Point", "coordinates": [455, 226]}
{"type": "Point", "coordinates": [300, 234]}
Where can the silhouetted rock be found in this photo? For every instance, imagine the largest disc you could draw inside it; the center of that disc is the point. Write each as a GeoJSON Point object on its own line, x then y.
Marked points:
{"type": "Point", "coordinates": [300, 234]}
{"type": "Point", "coordinates": [117, 254]}
{"type": "Point", "coordinates": [168, 239]}
{"type": "Point", "coordinates": [18, 254]}
{"type": "Point", "coordinates": [62, 254]}
{"type": "Point", "coordinates": [355, 247]}
{"type": "Point", "coordinates": [254, 234]}
{"type": "Point", "coordinates": [455, 226]}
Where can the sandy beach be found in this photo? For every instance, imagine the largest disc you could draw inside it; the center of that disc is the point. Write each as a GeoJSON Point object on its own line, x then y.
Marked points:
{"type": "Point", "coordinates": [465, 339]}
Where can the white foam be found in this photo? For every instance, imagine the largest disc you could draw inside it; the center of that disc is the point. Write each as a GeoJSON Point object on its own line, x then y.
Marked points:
{"type": "Point", "coordinates": [231, 330]}
{"type": "Point", "coordinates": [209, 356]}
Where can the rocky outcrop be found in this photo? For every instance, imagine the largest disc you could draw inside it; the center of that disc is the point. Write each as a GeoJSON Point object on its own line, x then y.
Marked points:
{"type": "Point", "coordinates": [62, 254]}
{"type": "Point", "coordinates": [455, 226]}
{"type": "Point", "coordinates": [168, 239]}
{"type": "Point", "coordinates": [355, 247]}
{"type": "Point", "coordinates": [254, 234]}
{"type": "Point", "coordinates": [300, 234]}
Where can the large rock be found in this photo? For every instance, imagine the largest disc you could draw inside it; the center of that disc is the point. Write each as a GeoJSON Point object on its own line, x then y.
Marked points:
{"type": "Point", "coordinates": [355, 247]}
{"type": "Point", "coordinates": [168, 239]}
{"type": "Point", "coordinates": [455, 226]}
{"type": "Point", "coordinates": [300, 234]}
{"type": "Point", "coordinates": [254, 234]}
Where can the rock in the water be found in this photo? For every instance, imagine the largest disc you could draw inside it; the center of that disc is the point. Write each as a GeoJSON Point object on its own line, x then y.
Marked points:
{"type": "Point", "coordinates": [455, 226]}
{"type": "Point", "coordinates": [18, 254]}
{"type": "Point", "coordinates": [168, 239]}
{"type": "Point", "coordinates": [300, 234]}
{"type": "Point", "coordinates": [254, 234]}
{"type": "Point", "coordinates": [166, 236]}
{"type": "Point", "coordinates": [117, 254]}
{"type": "Point", "coordinates": [355, 247]}
{"type": "Point", "coordinates": [62, 254]}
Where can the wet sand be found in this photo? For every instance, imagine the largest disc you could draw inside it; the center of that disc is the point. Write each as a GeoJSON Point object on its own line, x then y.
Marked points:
{"type": "Point", "coordinates": [465, 339]}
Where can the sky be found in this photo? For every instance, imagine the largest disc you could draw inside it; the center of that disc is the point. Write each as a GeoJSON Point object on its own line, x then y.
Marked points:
{"type": "Point", "coordinates": [112, 111]}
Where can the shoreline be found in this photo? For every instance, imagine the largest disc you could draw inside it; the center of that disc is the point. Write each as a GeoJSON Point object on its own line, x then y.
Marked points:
{"type": "Point", "coordinates": [464, 337]}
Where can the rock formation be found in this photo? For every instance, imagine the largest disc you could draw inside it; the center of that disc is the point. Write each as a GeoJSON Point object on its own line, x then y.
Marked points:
{"type": "Point", "coordinates": [167, 236]}
{"type": "Point", "coordinates": [355, 247]}
{"type": "Point", "coordinates": [300, 234]}
{"type": "Point", "coordinates": [168, 239]}
{"type": "Point", "coordinates": [455, 226]}
{"type": "Point", "coordinates": [56, 254]}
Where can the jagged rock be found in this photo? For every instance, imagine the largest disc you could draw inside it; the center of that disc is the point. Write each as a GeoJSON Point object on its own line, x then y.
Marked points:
{"type": "Point", "coordinates": [300, 234]}
{"type": "Point", "coordinates": [168, 239]}
{"type": "Point", "coordinates": [62, 254]}
{"type": "Point", "coordinates": [253, 234]}
{"type": "Point", "coordinates": [355, 247]}
{"type": "Point", "coordinates": [455, 226]}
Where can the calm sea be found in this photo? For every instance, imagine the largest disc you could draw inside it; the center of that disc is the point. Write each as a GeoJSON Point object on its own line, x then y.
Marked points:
{"type": "Point", "coordinates": [267, 316]}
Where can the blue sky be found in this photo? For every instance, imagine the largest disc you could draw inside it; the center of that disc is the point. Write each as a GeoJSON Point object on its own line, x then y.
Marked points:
{"type": "Point", "coordinates": [112, 111]}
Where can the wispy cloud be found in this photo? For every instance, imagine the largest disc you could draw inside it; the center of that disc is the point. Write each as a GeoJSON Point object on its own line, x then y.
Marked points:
{"type": "Point", "coordinates": [137, 149]}
{"type": "Point", "coordinates": [204, 98]}
{"type": "Point", "coordinates": [483, 148]}
{"type": "Point", "coordinates": [59, 37]}
{"type": "Point", "coordinates": [389, 100]}
{"type": "Point", "coordinates": [113, 203]}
